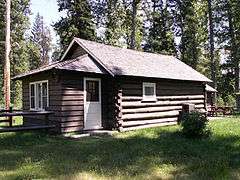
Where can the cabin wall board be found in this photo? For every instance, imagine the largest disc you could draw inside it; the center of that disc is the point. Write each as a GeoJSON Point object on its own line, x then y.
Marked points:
{"type": "Point", "coordinates": [54, 88]}
{"type": "Point", "coordinates": [171, 94]}
{"type": "Point", "coordinates": [75, 51]}
{"type": "Point", "coordinates": [66, 99]}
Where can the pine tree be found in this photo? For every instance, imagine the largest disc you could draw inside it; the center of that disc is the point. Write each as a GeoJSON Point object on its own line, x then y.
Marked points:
{"type": "Point", "coordinates": [160, 38]}
{"type": "Point", "coordinates": [228, 35]}
{"type": "Point", "coordinates": [234, 30]}
{"type": "Point", "coordinates": [190, 26]}
{"type": "Point", "coordinates": [133, 23]}
{"type": "Point", "coordinates": [19, 56]}
{"type": "Point", "coordinates": [77, 23]}
{"type": "Point", "coordinates": [134, 9]}
{"type": "Point", "coordinates": [189, 44]}
{"type": "Point", "coordinates": [40, 43]}
{"type": "Point", "coordinates": [114, 22]}
{"type": "Point", "coordinates": [211, 41]}
{"type": "Point", "coordinates": [57, 52]}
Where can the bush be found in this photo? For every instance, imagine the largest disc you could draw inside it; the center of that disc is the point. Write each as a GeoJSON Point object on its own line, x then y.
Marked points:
{"type": "Point", "coordinates": [230, 101]}
{"type": "Point", "coordinates": [194, 125]}
{"type": "Point", "coordinates": [220, 102]}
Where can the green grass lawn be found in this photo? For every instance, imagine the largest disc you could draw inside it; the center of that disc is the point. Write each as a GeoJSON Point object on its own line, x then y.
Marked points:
{"type": "Point", "coordinates": [157, 153]}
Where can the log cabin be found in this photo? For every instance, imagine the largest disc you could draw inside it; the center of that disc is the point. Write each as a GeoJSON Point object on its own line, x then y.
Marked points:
{"type": "Point", "coordinates": [97, 86]}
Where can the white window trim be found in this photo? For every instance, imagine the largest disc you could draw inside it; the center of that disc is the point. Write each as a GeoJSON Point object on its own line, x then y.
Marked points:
{"type": "Point", "coordinates": [149, 98]}
{"type": "Point", "coordinates": [35, 93]}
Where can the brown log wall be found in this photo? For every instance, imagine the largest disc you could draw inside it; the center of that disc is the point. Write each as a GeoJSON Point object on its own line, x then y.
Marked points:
{"type": "Point", "coordinates": [122, 103]}
{"type": "Point", "coordinates": [72, 101]}
{"type": "Point", "coordinates": [171, 94]}
{"type": "Point", "coordinates": [54, 88]}
{"type": "Point", "coordinates": [66, 99]}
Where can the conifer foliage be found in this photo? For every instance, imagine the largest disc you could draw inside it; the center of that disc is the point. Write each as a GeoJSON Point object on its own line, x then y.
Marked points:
{"type": "Point", "coordinates": [40, 43]}
{"type": "Point", "coordinates": [77, 23]}
{"type": "Point", "coordinates": [160, 38]}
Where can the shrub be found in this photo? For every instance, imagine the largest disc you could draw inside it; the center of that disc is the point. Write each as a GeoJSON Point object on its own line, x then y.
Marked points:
{"type": "Point", "coordinates": [230, 100]}
{"type": "Point", "coordinates": [194, 125]}
{"type": "Point", "coordinates": [220, 101]}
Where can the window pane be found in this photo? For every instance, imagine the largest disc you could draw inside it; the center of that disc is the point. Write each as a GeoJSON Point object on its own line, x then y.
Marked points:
{"type": "Point", "coordinates": [32, 102]}
{"type": "Point", "coordinates": [32, 89]}
{"type": "Point", "coordinates": [32, 96]}
{"type": "Point", "coordinates": [92, 88]}
{"type": "Point", "coordinates": [39, 97]}
{"type": "Point", "coordinates": [149, 91]}
{"type": "Point", "coordinates": [44, 89]}
{"type": "Point", "coordinates": [44, 102]}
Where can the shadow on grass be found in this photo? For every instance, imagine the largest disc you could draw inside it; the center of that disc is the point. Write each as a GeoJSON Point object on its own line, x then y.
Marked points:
{"type": "Point", "coordinates": [133, 156]}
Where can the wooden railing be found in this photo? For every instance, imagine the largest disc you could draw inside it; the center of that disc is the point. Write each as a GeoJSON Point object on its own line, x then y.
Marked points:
{"type": "Point", "coordinates": [9, 114]}
{"type": "Point", "coordinates": [8, 119]}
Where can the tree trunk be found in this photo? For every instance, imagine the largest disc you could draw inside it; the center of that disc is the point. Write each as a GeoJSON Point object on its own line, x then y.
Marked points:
{"type": "Point", "coordinates": [133, 30]}
{"type": "Point", "coordinates": [233, 48]}
{"type": "Point", "coordinates": [7, 57]}
{"type": "Point", "coordinates": [211, 44]}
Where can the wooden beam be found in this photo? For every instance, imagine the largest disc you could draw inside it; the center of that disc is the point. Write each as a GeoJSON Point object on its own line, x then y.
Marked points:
{"type": "Point", "coordinates": [159, 103]}
{"type": "Point", "coordinates": [149, 126]}
{"type": "Point", "coordinates": [150, 115]}
{"type": "Point", "coordinates": [145, 122]}
{"type": "Point", "coordinates": [130, 98]}
{"type": "Point", "coordinates": [26, 113]}
{"type": "Point", "coordinates": [118, 106]}
{"type": "Point", "coordinates": [151, 109]}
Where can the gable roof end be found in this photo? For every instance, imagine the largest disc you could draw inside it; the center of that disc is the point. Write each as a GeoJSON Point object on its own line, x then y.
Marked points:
{"type": "Point", "coordinates": [76, 40]}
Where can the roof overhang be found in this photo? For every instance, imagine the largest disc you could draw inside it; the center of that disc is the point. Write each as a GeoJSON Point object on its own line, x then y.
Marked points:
{"type": "Point", "coordinates": [210, 89]}
{"type": "Point", "coordinates": [83, 63]}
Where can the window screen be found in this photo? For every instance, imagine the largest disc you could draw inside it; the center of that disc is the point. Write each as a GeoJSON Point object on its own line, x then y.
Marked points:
{"type": "Point", "coordinates": [149, 90]}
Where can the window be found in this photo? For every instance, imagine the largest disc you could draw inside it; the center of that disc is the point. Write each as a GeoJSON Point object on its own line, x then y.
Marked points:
{"type": "Point", "coordinates": [39, 95]}
{"type": "Point", "coordinates": [32, 96]}
{"type": "Point", "coordinates": [92, 90]}
{"type": "Point", "coordinates": [149, 91]}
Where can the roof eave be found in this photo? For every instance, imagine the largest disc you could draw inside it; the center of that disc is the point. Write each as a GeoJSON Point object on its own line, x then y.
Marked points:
{"type": "Point", "coordinates": [21, 76]}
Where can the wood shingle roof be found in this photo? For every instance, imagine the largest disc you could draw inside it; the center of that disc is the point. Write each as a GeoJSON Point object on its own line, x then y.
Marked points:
{"type": "Point", "coordinates": [122, 61]}
{"type": "Point", "coordinates": [118, 61]}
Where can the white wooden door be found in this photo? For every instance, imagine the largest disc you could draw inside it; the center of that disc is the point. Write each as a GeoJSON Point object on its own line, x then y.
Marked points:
{"type": "Point", "coordinates": [92, 104]}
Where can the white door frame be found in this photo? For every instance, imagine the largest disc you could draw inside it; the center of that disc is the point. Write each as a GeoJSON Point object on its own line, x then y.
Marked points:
{"type": "Point", "coordinates": [85, 99]}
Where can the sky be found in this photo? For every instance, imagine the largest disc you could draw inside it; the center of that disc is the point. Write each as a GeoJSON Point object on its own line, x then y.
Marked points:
{"type": "Point", "coordinates": [49, 10]}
